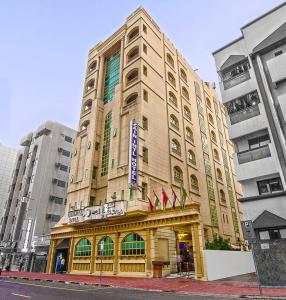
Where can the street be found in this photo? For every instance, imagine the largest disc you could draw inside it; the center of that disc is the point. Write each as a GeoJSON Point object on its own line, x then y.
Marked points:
{"type": "Point", "coordinates": [12, 289]}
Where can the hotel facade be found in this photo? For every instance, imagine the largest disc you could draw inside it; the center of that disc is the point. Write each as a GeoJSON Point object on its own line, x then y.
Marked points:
{"type": "Point", "coordinates": [148, 124]}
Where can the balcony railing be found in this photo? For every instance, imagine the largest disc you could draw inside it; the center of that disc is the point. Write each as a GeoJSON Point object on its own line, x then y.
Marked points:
{"type": "Point", "coordinates": [245, 114]}
{"type": "Point", "coordinates": [176, 151]}
{"type": "Point", "coordinates": [236, 80]}
{"type": "Point", "coordinates": [254, 154]}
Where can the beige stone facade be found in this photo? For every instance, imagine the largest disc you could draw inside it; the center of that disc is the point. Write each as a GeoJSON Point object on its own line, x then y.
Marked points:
{"type": "Point", "coordinates": [137, 73]}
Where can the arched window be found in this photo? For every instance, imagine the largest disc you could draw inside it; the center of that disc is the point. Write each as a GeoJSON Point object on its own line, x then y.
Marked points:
{"type": "Point", "coordinates": [133, 244]}
{"type": "Point", "coordinates": [133, 53]}
{"type": "Point", "coordinates": [133, 34]}
{"type": "Point", "coordinates": [211, 119]}
{"type": "Point", "coordinates": [90, 85]}
{"type": "Point", "coordinates": [131, 98]}
{"type": "Point", "coordinates": [174, 122]}
{"type": "Point", "coordinates": [187, 112]}
{"type": "Point", "coordinates": [171, 79]}
{"type": "Point", "coordinates": [83, 248]}
{"type": "Point", "coordinates": [173, 99]}
{"type": "Point", "coordinates": [191, 157]}
{"type": "Point", "coordinates": [222, 196]}
{"type": "Point", "coordinates": [185, 93]}
{"type": "Point", "coordinates": [105, 247]}
{"type": "Point", "coordinates": [208, 102]}
{"type": "Point", "coordinates": [178, 174]}
{"type": "Point", "coordinates": [87, 105]}
{"type": "Point", "coordinates": [194, 183]}
{"type": "Point", "coordinates": [219, 174]}
{"type": "Point", "coordinates": [190, 134]}
{"type": "Point", "coordinates": [216, 155]}
{"type": "Point", "coordinates": [213, 136]}
{"type": "Point", "coordinates": [92, 66]}
{"type": "Point", "coordinates": [183, 75]}
{"type": "Point", "coordinates": [132, 76]}
{"type": "Point", "coordinates": [84, 125]}
{"type": "Point", "coordinates": [176, 147]}
{"type": "Point", "coordinates": [170, 60]}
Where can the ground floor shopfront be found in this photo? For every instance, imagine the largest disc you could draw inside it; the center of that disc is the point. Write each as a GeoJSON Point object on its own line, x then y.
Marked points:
{"type": "Point", "coordinates": [139, 243]}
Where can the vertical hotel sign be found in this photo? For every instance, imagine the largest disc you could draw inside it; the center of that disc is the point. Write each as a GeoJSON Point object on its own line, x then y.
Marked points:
{"type": "Point", "coordinates": [133, 154]}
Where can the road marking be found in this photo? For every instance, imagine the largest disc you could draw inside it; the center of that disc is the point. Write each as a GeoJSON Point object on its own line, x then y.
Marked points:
{"type": "Point", "coordinates": [20, 295]}
{"type": "Point", "coordinates": [53, 287]}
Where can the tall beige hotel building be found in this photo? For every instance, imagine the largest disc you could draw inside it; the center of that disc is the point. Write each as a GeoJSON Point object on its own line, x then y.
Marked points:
{"type": "Point", "coordinates": [148, 124]}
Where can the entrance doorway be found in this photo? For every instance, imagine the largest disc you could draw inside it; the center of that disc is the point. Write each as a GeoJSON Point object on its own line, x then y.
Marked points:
{"type": "Point", "coordinates": [185, 252]}
{"type": "Point", "coordinates": [61, 257]}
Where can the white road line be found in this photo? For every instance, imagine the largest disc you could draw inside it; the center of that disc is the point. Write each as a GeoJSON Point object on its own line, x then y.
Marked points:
{"type": "Point", "coordinates": [21, 295]}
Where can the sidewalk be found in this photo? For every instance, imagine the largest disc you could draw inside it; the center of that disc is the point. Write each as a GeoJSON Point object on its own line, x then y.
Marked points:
{"type": "Point", "coordinates": [233, 288]}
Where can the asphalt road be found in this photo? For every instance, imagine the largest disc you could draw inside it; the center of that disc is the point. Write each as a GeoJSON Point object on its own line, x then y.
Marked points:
{"type": "Point", "coordinates": [17, 289]}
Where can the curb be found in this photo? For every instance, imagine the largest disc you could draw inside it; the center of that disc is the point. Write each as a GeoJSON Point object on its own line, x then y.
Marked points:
{"type": "Point", "coordinates": [59, 281]}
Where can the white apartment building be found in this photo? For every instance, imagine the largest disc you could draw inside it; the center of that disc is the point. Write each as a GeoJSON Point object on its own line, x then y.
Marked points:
{"type": "Point", "coordinates": [37, 195]}
{"type": "Point", "coordinates": [252, 71]}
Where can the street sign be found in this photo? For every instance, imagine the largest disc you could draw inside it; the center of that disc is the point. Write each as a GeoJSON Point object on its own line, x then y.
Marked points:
{"type": "Point", "coordinates": [248, 231]}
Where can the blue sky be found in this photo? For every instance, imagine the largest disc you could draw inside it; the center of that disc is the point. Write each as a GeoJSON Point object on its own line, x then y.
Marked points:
{"type": "Point", "coordinates": [44, 46]}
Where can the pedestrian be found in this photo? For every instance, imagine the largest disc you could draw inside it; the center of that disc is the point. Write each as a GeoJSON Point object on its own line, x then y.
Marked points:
{"type": "Point", "coordinates": [58, 264]}
{"type": "Point", "coordinates": [21, 266]}
{"type": "Point", "coordinates": [63, 261]}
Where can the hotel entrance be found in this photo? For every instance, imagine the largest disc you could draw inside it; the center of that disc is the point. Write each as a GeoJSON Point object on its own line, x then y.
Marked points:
{"type": "Point", "coordinates": [61, 256]}
{"type": "Point", "coordinates": [185, 253]}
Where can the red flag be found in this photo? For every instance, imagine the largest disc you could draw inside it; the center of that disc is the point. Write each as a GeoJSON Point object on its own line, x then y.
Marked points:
{"type": "Point", "coordinates": [174, 199]}
{"type": "Point", "coordinates": [164, 198]}
{"type": "Point", "coordinates": [151, 205]}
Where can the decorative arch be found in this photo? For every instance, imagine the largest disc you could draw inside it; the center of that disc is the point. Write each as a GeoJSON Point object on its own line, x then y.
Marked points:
{"type": "Point", "coordinates": [133, 53]}
{"type": "Point", "coordinates": [84, 125]}
{"type": "Point", "coordinates": [176, 147]}
{"type": "Point", "coordinates": [105, 247]}
{"type": "Point", "coordinates": [213, 136]}
{"type": "Point", "coordinates": [171, 79]}
{"type": "Point", "coordinates": [184, 75]}
{"type": "Point", "coordinates": [222, 196]}
{"type": "Point", "coordinates": [174, 121]}
{"type": "Point", "coordinates": [173, 98]}
{"type": "Point", "coordinates": [132, 76]}
{"type": "Point", "coordinates": [90, 85]}
{"type": "Point", "coordinates": [185, 93]}
{"type": "Point", "coordinates": [170, 60]}
{"type": "Point", "coordinates": [133, 34]}
{"type": "Point", "coordinates": [190, 134]}
{"type": "Point", "coordinates": [191, 157]}
{"type": "Point", "coordinates": [219, 174]}
{"type": "Point", "coordinates": [87, 105]}
{"type": "Point", "coordinates": [211, 119]}
{"type": "Point", "coordinates": [178, 174]}
{"type": "Point", "coordinates": [131, 98]}
{"type": "Point", "coordinates": [216, 155]}
{"type": "Point", "coordinates": [92, 66]}
{"type": "Point", "coordinates": [194, 183]}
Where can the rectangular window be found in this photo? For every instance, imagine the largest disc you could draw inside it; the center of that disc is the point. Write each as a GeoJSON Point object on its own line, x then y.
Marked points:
{"type": "Point", "coordinates": [64, 168]}
{"type": "Point", "coordinates": [112, 163]}
{"type": "Point", "coordinates": [144, 28]}
{"type": "Point", "coordinates": [145, 95]}
{"type": "Point", "coordinates": [145, 123]}
{"type": "Point", "coordinates": [144, 190]}
{"type": "Point", "coordinates": [122, 195]}
{"type": "Point", "coordinates": [270, 186]}
{"type": "Point", "coordinates": [145, 70]}
{"type": "Point", "coordinates": [259, 141]}
{"type": "Point", "coordinates": [55, 218]}
{"type": "Point", "coordinates": [94, 171]}
{"type": "Point", "coordinates": [97, 146]}
{"type": "Point", "coordinates": [91, 201]}
{"type": "Point", "coordinates": [58, 200]}
{"type": "Point", "coordinates": [144, 48]}
{"type": "Point", "coordinates": [61, 183]}
{"type": "Point", "coordinates": [68, 139]}
{"type": "Point", "coordinates": [145, 155]}
{"type": "Point", "coordinates": [66, 153]}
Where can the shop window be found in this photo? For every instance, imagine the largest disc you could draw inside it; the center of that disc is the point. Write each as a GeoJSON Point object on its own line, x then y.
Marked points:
{"type": "Point", "coordinates": [133, 244]}
{"type": "Point", "coordinates": [83, 248]}
{"type": "Point", "coordinates": [105, 247]}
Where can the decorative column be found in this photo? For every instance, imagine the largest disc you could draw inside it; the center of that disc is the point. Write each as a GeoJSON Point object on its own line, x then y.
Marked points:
{"type": "Point", "coordinates": [198, 250]}
{"type": "Point", "coordinates": [116, 254]}
{"type": "Point", "coordinates": [51, 256]}
{"type": "Point", "coordinates": [93, 251]}
{"type": "Point", "coordinates": [148, 253]}
{"type": "Point", "coordinates": [71, 252]}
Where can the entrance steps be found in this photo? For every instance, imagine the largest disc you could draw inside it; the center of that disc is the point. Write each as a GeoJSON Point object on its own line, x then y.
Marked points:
{"type": "Point", "coordinates": [190, 275]}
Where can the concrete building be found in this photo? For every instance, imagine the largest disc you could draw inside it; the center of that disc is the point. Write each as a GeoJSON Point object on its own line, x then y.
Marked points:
{"type": "Point", "coordinates": [37, 195]}
{"type": "Point", "coordinates": [148, 125]}
{"type": "Point", "coordinates": [7, 161]}
{"type": "Point", "coordinates": [252, 70]}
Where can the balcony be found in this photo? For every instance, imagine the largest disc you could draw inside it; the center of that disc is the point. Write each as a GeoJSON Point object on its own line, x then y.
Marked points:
{"type": "Point", "coordinates": [245, 114]}
{"type": "Point", "coordinates": [233, 81]}
{"type": "Point", "coordinates": [253, 154]}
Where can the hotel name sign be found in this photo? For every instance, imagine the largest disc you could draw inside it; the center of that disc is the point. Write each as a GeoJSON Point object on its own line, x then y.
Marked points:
{"type": "Point", "coordinates": [108, 210]}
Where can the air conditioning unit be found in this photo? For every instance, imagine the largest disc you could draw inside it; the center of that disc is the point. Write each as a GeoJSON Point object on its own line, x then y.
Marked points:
{"type": "Point", "coordinates": [57, 164]}
{"type": "Point", "coordinates": [48, 216]}
{"type": "Point", "coordinates": [60, 149]}
{"type": "Point", "coordinates": [52, 198]}
{"type": "Point", "coordinates": [55, 180]}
